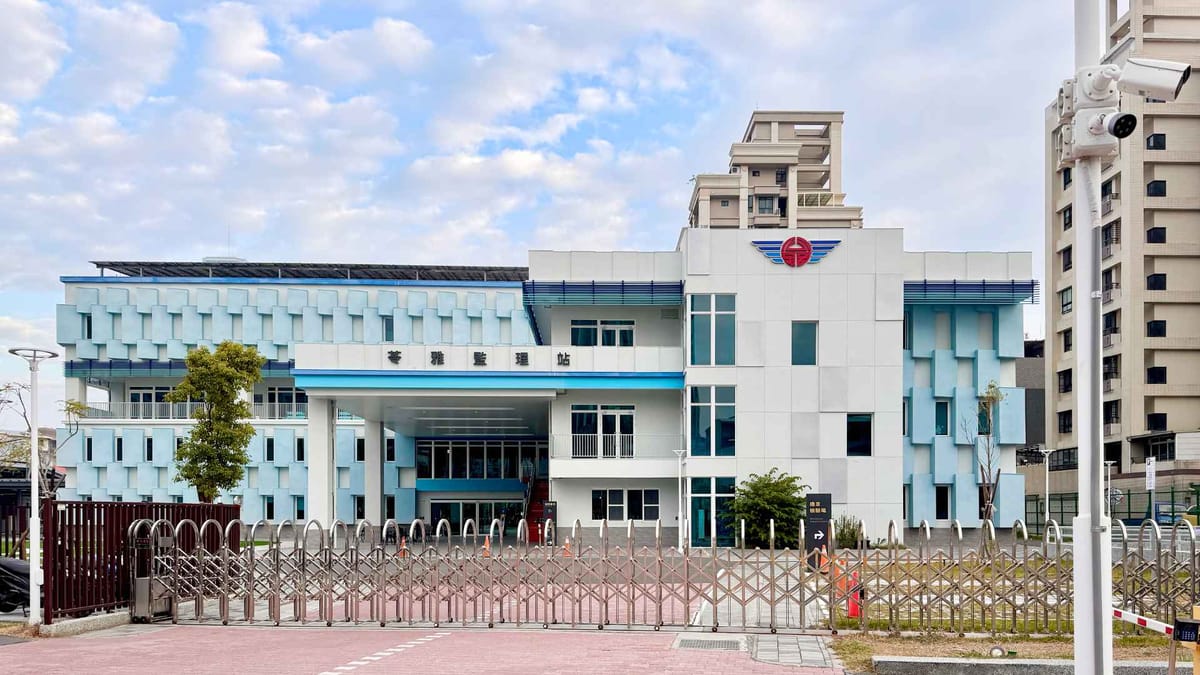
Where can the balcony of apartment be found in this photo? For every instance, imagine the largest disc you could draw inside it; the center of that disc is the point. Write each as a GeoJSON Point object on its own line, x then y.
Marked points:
{"type": "Point", "coordinates": [1110, 203]}
{"type": "Point", "coordinates": [1173, 343]}
{"type": "Point", "coordinates": [1112, 429]}
{"type": "Point", "coordinates": [1111, 293]}
{"type": "Point", "coordinates": [125, 410]}
{"type": "Point", "coordinates": [1112, 386]}
{"type": "Point", "coordinates": [614, 455]}
{"type": "Point", "coordinates": [767, 153]}
{"type": "Point", "coordinates": [1189, 249]}
{"type": "Point", "coordinates": [1111, 339]}
{"type": "Point", "coordinates": [1110, 249]}
{"type": "Point", "coordinates": [1173, 390]}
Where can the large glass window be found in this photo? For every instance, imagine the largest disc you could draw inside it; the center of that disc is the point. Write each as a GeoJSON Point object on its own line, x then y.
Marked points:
{"type": "Point", "coordinates": [941, 418]}
{"type": "Point", "coordinates": [766, 205]}
{"type": "Point", "coordinates": [713, 329]}
{"type": "Point", "coordinates": [1156, 142]}
{"type": "Point", "coordinates": [1064, 381]}
{"type": "Point", "coordinates": [1156, 328]}
{"type": "Point", "coordinates": [1066, 299]}
{"type": "Point", "coordinates": [858, 435]}
{"type": "Point", "coordinates": [711, 499]}
{"type": "Point", "coordinates": [490, 459]}
{"type": "Point", "coordinates": [713, 421]}
{"type": "Point", "coordinates": [584, 332]}
{"type": "Point", "coordinates": [804, 343]}
{"type": "Point", "coordinates": [1156, 282]}
{"type": "Point", "coordinates": [616, 333]}
{"type": "Point", "coordinates": [1156, 188]}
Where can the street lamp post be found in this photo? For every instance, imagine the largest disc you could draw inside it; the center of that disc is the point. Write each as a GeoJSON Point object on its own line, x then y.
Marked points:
{"type": "Point", "coordinates": [1108, 463]}
{"type": "Point", "coordinates": [1046, 452]}
{"type": "Point", "coordinates": [679, 489]}
{"type": "Point", "coordinates": [34, 356]}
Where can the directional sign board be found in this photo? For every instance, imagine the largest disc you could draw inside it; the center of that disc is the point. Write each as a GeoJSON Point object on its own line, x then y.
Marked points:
{"type": "Point", "coordinates": [1150, 471]}
{"type": "Point", "coordinates": [816, 521]}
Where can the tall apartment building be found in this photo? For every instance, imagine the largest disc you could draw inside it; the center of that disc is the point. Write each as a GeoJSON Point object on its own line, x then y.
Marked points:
{"type": "Point", "coordinates": [1150, 275]}
{"type": "Point", "coordinates": [619, 385]}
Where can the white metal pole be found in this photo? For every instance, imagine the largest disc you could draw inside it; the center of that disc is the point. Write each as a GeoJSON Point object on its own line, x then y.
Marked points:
{"type": "Point", "coordinates": [1046, 523]}
{"type": "Point", "coordinates": [679, 489]}
{"type": "Point", "coordinates": [35, 503]}
{"type": "Point", "coordinates": [1092, 577]}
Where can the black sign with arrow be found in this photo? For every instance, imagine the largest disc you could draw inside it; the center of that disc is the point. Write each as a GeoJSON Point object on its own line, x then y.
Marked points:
{"type": "Point", "coordinates": [816, 521]}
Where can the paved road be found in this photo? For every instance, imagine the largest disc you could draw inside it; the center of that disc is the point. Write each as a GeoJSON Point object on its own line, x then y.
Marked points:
{"type": "Point", "coordinates": [345, 651]}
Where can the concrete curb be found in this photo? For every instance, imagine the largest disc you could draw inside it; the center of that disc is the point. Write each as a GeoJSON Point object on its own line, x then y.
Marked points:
{"type": "Point", "coordinates": [87, 624]}
{"type": "Point", "coordinates": [924, 665]}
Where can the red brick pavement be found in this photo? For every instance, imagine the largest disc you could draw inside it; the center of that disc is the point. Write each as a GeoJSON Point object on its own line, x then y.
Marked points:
{"type": "Point", "coordinates": [354, 651]}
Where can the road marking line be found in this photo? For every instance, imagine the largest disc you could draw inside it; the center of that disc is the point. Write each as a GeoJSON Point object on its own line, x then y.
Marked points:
{"type": "Point", "coordinates": [384, 653]}
{"type": "Point", "coordinates": [380, 655]}
{"type": "Point", "coordinates": [360, 663]}
{"type": "Point", "coordinates": [345, 668]}
{"type": "Point", "coordinates": [371, 658]}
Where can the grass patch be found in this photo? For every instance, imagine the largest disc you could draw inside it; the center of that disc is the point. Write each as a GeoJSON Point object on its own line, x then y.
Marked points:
{"type": "Point", "coordinates": [856, 651]}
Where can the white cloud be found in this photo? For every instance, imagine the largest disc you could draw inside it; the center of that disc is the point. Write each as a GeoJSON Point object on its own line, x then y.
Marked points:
{"type": "Point", "coordinates": [597, 99]}
{"type": "Point", "coordinates": [238, 41]}
{"type": "Point", "coordinates": [34, 47]}
{"type": "Point", "coordinates": [120, 53]}
{"type": "Point", "coordinates": [356, 55]}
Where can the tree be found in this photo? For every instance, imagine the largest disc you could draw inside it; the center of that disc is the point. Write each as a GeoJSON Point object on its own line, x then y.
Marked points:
{"type": "Point", "coordinates": [213, 455]}
{"type": "Point", "coordinates": [987, 457]}
{"type": "Point", "coordinates": [14, 447]}
{"type": "Point", "coordinates": [762, 497]}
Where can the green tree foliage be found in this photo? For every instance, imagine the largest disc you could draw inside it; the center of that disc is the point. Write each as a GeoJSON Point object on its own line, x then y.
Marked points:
{"type": "Point", "coordinates": [213, 456]}
{"type": "Point", "coordinates": [763, 497]}
{"type": "Point", "coordinates": [845, 531]}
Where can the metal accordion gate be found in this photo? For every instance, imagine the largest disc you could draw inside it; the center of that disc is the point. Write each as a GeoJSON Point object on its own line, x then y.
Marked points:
{"type": "Point", "coordinates": [390, 576]}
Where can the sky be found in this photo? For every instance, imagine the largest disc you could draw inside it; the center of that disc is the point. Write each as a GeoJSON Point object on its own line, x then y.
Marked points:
{"type": "Point", "coordinates": [469, 131]}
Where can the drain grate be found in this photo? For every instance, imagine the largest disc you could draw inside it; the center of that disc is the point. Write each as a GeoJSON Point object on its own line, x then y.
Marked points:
{"type": "Point", "coordinates": [729, 645]}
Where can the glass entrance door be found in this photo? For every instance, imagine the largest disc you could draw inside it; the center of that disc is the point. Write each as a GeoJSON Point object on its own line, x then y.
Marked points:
{"type": "Point", "coordinates": [616, 431]}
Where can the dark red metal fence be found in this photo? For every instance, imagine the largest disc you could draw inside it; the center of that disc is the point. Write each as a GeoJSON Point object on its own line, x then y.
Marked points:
{"type": "Point", "coordinates": [86, 553]}
{"type": "Point", "coordinates": [14, 522]}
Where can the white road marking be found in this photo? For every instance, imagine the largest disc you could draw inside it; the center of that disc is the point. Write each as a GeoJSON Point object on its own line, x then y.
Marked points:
{"type": "Point", "coordinates": [379, 655]}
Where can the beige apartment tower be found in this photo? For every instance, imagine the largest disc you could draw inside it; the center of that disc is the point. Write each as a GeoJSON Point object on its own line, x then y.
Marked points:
{"type": "Point", "coordinates": [1150, 274]}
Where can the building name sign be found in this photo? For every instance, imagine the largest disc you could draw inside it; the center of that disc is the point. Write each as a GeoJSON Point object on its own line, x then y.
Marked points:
{"type": "Point", "coordinates": [479, 359]}
{"type": "Point", "coordinates": [796, 251]}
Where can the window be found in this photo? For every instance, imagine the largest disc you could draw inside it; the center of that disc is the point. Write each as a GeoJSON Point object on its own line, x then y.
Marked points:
{"type": "Point", "coordinates": [766, 205]}
{"type": "Point", "coordinates": [781, 176]}
{"type": "Point", "coordinates": [1111, 366]}
{"type": "Point", "coordinates": [298, 507]}
{"type": "Point", "coordinates": [389, 450]}
{"type": "Point", "coordinates": [116, 498]}
{"type": "Point", "coordinates": [712, 323]}
{"type": "Point", "coordinates": [1066, 298]}
{"type": "Point", "coordinates": [724, 202]}
{"type": "Point", "coordinates": [713, 421]}
{"type": "Point", "coordinates": [145, 499]}
{"type": "Point", "coordinates": [754, 172]}
{"type": "Point", "coordinates": [858, 435]}
{"type": "Point", "coordinates": [904, 417]}
{"type": "Point", "coordinates": [1064, 460]}
{"type": "Point", "coordinates": [149, 449]}
{"type": "Point", "coordinates": [1112, 414]}
{"type": "Point", "coordinates": [360, 507]}
{"type": "Point", "coordinates": [625, 504]}
{"type": "Point", "coordinates": [1156, 375]}
{"type": "Point", "coordinates": [1067, 337]}
{"type": "Point", "coordinates": [1156, 422]}
{"type": "Point", "coordinates": [85, 328]}
{"type": "Point", "coordinates": [804, 343]}
{"type": "Point", "coordinates": [942, 502]}
{"type": "Point", "coordinates": [1066, 177]}
{"type": "Point", "coordinates": [1156, 235]}
{"type": "Point", "coordinates": [985, 419]}
{"type": "Point", "coordinates": [389, 507]}
{"type": "Point", "coordinates": [616, 505]}
{"type": "Point", "coordinates": [941, 411]}
{"type": "Point", "coordinates": [584, 333]}
{"type": "Point", "coordinates": [119, 452]}
{"type": "Point", "coordinates": [1067, 219]}
{"type": "Point", "coordinates": [1161, 449]}
{"type": "Point", "coordinates": [360, 449]}
{"type": "Point", "coordinates": [1156, 142]}
{"type": "Point", "coordinates": [389, 328]}
{"type": "Point", "coordinates": [1106, 188]}
{"type": "Point", "coordinates": [178, 445]}
{"type": "Point", "coordinates": [1109, 323]}
{"type": "Point", "coordinates": [269, 455]}
{"type": "Point", "coordinates": [1156, 188]}
{"type": "Point", "coordinates": [616, 333]}
{"type": "Point", "coordinates": [299, 449]}
{"type": "Point", "coordinates": [1110, 234]}
{"type": "Point", "coordinates": [1156, 282]}
{"type": "Point", "coordinates": [1064, 381]}
{"type": "Point", "coordinates": [1064, 422]}
{"type": "Point", "coordinates": [907, 331]}
{"type": "Point", "coordinates": [269, 507]}
{"type": "Point", "coordinates": [1156, 328]}
{"type": "Point", "coordinates": [87, 449]}
{"type": "Point", "coordinates": [1066, 259]}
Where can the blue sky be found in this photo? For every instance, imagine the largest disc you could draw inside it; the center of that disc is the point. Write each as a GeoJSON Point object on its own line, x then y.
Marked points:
{"type": "Point", "coordinates": [469, 131]}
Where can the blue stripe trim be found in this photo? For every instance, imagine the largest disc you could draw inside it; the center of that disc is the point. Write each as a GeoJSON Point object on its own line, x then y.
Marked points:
{"type": "Point", "coordinates": [287, 281]}
{"type": "Point", "coordinates": [484, 381]}
{"type": "Point", "coordinates": [469, 485]}
{"type": "Point", "coordinates": [969, 292]}
{"type": "Point", "coordinates": [478, 373]}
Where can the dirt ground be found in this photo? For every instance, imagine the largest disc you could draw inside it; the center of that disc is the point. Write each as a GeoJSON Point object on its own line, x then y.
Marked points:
{"type": "Point", "coordinates": [856, 651]}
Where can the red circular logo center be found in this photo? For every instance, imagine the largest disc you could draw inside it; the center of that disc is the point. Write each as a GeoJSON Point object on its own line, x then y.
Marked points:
{"type": "Point", "coordinates": [796, 251]}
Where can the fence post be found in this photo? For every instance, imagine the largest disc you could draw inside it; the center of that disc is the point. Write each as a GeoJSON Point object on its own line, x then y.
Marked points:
{"type": "Point", "coordinates": [49, 530]}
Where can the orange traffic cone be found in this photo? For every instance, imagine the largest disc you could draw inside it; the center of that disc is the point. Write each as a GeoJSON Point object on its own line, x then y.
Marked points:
{"type": "Point", "coordinates": [487, 546]}
{"type": "Point", "coordinates": [852, 603]}
{"type": "Point", "coordinates": [567, 548]}
{"type": "Point", "coordinates": [403, 552]}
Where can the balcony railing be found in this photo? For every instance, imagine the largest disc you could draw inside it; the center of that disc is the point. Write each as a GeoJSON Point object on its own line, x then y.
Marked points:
{"type": "Point", "coordinates": [817, 199]}
{"type": "Point", "coordinates": [614, 446]}
{"type": "Point", "coordinates": [1112, 383]}
{"type": "Point", "coordinates": [1112, 292]}
{"type": "Point", "coordinates": [127, 410]}
{"type": "Point", "coordinates": [1112, 429]}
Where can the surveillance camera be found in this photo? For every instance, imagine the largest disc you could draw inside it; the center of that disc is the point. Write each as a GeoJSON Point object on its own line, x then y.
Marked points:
{"type": "Point", "coordinates": [1119, 124]}
{"type": "Point", "coordinates": [1154, 78]}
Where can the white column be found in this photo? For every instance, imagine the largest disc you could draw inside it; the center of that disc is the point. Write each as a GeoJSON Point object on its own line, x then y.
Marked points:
{"type": "Point", "coordinates": [793, 200]}
{"type": "Point", "coordinates": [373, 472]}
{"type": "Point", "coordinates": [743, 196]}
{"type": "Point", "coordinates": [835, 157]}
{"type": "Point", "coordinates": [321, 474]}
{"type": "Point", "coordinates": [77, 389]}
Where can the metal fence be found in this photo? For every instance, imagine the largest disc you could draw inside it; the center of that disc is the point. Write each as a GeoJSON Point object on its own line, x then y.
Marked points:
{"type": "Point", "coordinates": [356, 574]}
{"type": "Point", "coordinates": [14, 528]}
{"type": "Point", "coordinates": [86, 562]}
